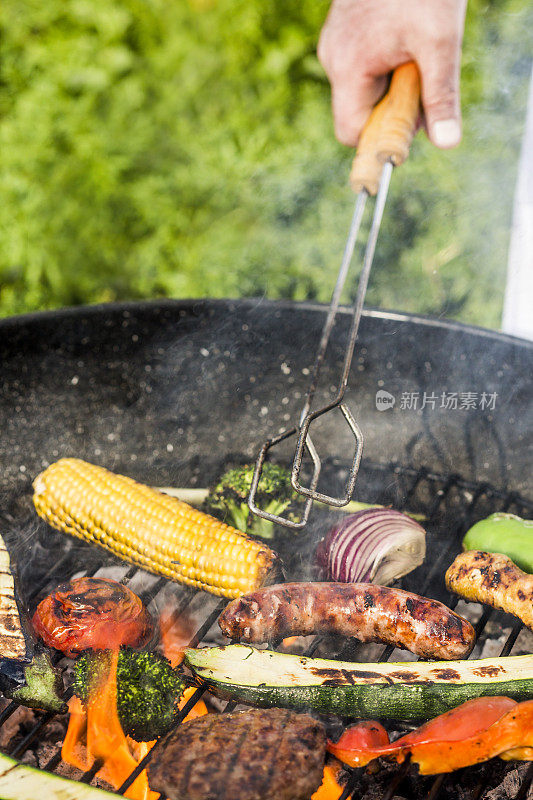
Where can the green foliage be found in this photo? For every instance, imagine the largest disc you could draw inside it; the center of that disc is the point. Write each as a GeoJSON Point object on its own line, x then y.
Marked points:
{"type": "Point", "coordinates": [186, 149]}
{"type": "Point", "coordinates": [148, 689]}
{"type": "Point", "coordinates": [228, 498]}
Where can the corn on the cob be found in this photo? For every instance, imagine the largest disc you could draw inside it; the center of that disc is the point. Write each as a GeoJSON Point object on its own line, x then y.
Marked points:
{"type": "Point", "coordinates": [152, 530]}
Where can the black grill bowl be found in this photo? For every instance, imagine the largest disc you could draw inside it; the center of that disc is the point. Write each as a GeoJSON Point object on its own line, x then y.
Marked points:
{"type": "Point", "coordinates": [172, 392]}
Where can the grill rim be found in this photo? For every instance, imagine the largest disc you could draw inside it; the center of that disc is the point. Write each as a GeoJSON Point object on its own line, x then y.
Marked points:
{"type": "Point", "coordinates": [194, 305]}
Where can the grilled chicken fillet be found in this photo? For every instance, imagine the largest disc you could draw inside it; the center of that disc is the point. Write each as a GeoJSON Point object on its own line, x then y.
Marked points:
{"type": "Point", "coordinates": [369, 612]}
{"type": "Point", "coordinates": [252, 755]}
{"type": "Point", "coordinates": [494, 579]}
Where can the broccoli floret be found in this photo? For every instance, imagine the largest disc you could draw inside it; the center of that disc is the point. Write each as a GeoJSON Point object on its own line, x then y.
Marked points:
{"type": "Point", "coordinates": [148, 690]}
{"type": "Point", "coordinates": [228, 499]}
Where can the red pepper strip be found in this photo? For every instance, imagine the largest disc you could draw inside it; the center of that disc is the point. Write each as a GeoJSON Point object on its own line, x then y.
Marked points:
{"type": "Point", "coordinates": [359, 741]}
{"type": "Point", "coordinates": [513, 730]}
{"type": "Point", "coordinates": [459, 724]}
{"type": "Point", "coordinates": [467, 720]}
{"type": "Point", "coordinates": [363, 735]}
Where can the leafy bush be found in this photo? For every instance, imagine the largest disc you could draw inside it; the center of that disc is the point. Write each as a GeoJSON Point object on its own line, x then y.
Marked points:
{"type": "Point", "coordinates": [186, 149]}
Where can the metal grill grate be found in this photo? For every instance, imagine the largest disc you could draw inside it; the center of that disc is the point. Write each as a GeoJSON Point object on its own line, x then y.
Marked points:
{"type": "Point", "coordinates": [449, 503]}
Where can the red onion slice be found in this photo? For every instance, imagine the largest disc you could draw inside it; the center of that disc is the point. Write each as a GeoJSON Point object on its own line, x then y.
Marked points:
{"type": "Point", "coordinates": [377, 544]}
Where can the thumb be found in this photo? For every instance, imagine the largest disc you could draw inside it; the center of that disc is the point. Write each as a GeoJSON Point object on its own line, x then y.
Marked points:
{"type": "Point", "coordinates": [439, 70]}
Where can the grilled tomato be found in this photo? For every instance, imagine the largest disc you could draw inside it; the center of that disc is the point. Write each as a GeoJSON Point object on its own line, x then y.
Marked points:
{"type": "Point", "coordinates": [92, 613]}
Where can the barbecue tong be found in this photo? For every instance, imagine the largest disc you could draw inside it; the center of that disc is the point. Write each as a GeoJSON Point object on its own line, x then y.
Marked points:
{"type": "Point", "coordinates": [383, 144]}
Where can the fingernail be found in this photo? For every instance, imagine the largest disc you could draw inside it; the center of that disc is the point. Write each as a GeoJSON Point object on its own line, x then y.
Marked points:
{"type": "Point", "coordinates": [446, 133]}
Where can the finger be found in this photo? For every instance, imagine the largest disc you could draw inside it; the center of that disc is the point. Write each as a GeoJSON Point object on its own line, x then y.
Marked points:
{"type": "Point", "coordinates": [353, 98]}
{"type": "Point", "coordinates": [439, 69]}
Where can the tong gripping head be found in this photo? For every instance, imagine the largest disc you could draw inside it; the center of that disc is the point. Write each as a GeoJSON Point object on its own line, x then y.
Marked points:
{"type": "Point", "coordinates": [384, 143]}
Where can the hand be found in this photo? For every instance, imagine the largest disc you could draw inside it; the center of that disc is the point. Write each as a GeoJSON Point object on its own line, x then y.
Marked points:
{"type": "Point", "coordinates": [362, 41]}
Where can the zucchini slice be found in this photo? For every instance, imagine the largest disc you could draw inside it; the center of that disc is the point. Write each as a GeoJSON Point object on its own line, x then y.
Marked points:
{"type": "Point", "coordinates": [413, 690]}
{"type": "Point", "coordinates": [26, 672]}
{"type": "Point", "coordinates": [19, 782]}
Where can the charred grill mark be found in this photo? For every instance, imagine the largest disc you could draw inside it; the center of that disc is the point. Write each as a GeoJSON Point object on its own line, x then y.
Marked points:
{"type": "Point", "coordinates": [491, 577]}
{"type": "Point", "coordinates": [348, 676]}
{"type": "Point", "coordinates": [366, 674]}
{"type": "Point", "coordinates": [286, 595]}
{"type": "Point", "coordinates": [488, 672]}
{"type": "Point", "coordinates": [278, 752]}
{"type": "Point", "coordinates": [59, 609]}
{"type": "Point", "coordinates": [405, 677]}
{"type": "Point", "coordinates": [245, 606]}
{"type": "Point", "coordinates": [341, 677]}
{"type": "Point", "coordinates": [188, 737]}
{"type": "Point", "coordinates": [422, 608]}
{"type": "Point", "coordinates": [453, 629]}
{"type": "Point", "coordinates": [446, 674]}
{"type": "Point", "coordinates": [234, 757]}
{"type": "Point", "coordinates": [329, 673]}
{"type": "Point", "coordinates": [368, 600]}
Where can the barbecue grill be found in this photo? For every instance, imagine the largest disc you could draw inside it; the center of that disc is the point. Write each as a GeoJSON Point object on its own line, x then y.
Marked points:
{"type": "Point", "coordinates": [171, 393]}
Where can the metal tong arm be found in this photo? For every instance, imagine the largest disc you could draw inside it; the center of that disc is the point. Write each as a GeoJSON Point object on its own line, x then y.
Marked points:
{"type": "Point", "coordinates": [385, 138]}
{"type": "Point", "coordinates": [384, 143]}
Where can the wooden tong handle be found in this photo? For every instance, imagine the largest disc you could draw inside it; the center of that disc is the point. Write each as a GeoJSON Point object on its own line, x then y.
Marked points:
{"type": "Point", "coordinates": [389, 131]}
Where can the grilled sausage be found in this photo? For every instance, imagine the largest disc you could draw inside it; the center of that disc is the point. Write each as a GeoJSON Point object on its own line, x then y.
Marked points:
{"type": "Point", "coordinates": [369, 612]}
{"type": "Point", "coordinates": [494, 579]}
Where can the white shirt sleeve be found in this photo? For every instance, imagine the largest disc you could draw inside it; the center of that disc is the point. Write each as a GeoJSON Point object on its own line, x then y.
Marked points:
{"type": "Point", "coordinates": [518, 301]}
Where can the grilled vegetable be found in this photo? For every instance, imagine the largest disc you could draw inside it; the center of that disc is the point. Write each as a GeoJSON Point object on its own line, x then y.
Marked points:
{"type": "Point", "coordinates": [196, 496]}
{"type": "Point", "coordinates": [91, 613]}
{"type": "Point", "coordinates": [149, 529]}
{"type": "Point", "coordinates": [19, 782]}
{"type": "Point", "coordinates": [148, 690]}
{"type": "Point", "coordinates": [371, 613]}
{"type": "Point", "coordinates": [13, 639]}
{"type": "Point", "coordinates": [330, 788]}
{"type": "Point", "coordinates": [401, 691]}
{"type": "Point", "coordinates": [43, 686]}
{"type": "Point", "coordinates": [494, 579]}
{"type": "Point", "coordinates": [474, 732]}
{"type": "Point", "coordinates": [26, 673]}
{"type": "Point", "coordinates": [362, 739]}
{"type": "Point", "coordinates": [506, 534]}
{"type": "Point", "coordinates": [228, 499]}
{"type": "Point", "coordinates": [377, 545]}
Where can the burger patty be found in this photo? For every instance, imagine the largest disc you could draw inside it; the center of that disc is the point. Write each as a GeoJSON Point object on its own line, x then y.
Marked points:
{"type": "Point", "coordinates": [251, 755]}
